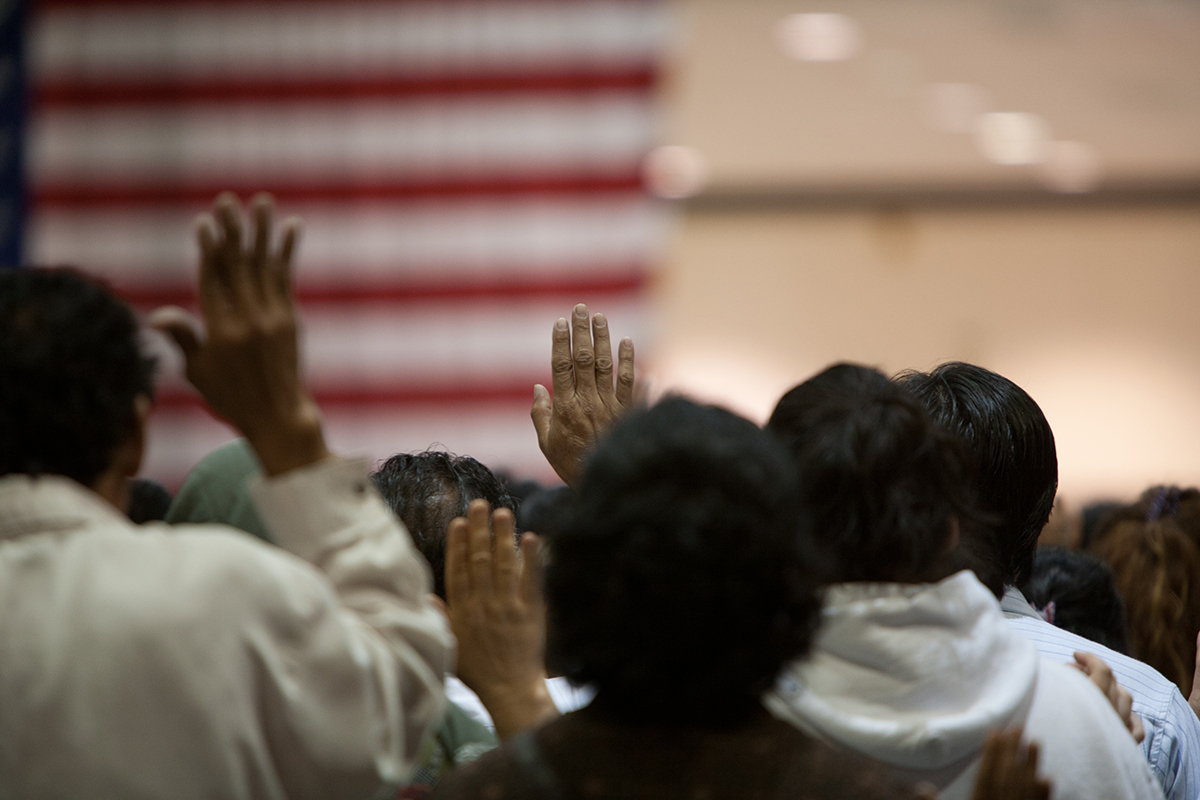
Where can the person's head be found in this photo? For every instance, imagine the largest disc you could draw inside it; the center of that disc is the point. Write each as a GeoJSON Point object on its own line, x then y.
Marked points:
{"type": "Point", "coordinates": [1013, 448]}
{"type": "Point", "coordinates": [428, 490]}
{"type": "Point", "coordinates": [75, 387]}
{"type": "Point", "coordinates": [1157, 568]}
{"type": "Point", "coordinates": [678, 584]}
{"type": "Point", "coordinates": [889, 489]}
{"type": "Point", "coordinates": [1078, 592]}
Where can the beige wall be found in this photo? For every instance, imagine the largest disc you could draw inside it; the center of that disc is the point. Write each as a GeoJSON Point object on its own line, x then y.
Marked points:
{"type": "Point", "coordinates": [1092, 311]}
{"type": "Point", "coordinates": [1091, 307]}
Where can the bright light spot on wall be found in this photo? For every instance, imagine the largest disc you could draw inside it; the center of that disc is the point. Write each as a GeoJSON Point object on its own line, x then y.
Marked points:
{"type": "Point", "coordinates": [954, 107]}
{"type": "Point", "coordinates": [1071, 167]}
{"type": "Point", "coordinates": [1012, 138]}
{"type": "Point", "coordinates": [819, 37]}
{"type": "Point", "coordinates": [674, 172]}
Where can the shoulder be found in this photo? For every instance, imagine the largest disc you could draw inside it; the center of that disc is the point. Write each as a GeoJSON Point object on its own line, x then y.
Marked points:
{"type": "Point", "coordinates": [1085, 746]}
{"type": "Point", "coordinates": [1150, 688]}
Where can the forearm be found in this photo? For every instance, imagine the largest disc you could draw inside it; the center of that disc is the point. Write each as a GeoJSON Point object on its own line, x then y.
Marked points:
{"type": "Point", "coordinates": [329, 515]}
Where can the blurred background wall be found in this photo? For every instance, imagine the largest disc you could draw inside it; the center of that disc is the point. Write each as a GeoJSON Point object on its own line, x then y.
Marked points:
{"type": "Point", "coordinates": [897, 182]}
{"type": "Point", "coordinates": [1011, 182]}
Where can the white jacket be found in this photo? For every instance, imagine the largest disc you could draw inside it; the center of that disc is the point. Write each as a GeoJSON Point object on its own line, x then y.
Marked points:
{"type": "Point", "coordinates": [916, 675]}
{"type": "Point", "coordinates": [199, 662]}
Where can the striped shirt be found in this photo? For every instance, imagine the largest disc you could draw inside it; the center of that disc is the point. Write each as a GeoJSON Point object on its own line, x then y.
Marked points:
{"type": "Point", "coordinates": [1172, 743]}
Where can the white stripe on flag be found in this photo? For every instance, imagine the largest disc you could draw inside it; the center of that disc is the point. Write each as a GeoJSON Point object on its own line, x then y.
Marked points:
{"type": "Point", "coordinates": [525, 237]}
{"type": "Point", "coordinates": [479, 343]}
{"type": "Point", "coordinates": [346, 38]}
{"type": "Point", "coordinates": [604, 133]}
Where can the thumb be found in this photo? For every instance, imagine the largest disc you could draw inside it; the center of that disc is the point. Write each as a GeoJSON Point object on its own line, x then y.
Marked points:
{"type": "Point", "coordinates": [181, 326]}
{"type": "Point", "coordinates": [542, 411]}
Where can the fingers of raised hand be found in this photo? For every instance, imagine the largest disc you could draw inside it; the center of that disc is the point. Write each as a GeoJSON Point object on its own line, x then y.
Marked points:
{"type": "Point", "coordinates": [458, 576]}
{"type": "Point", "coordinates": [531, 569]}
{"type": "Point", "coordinates": [541, 413]}
{"type": "Point", "coordinates": [180, 326]}
{"type": "Point", "coordinates": [604, 360]}
{"type": "Point", "coordinates": [281, 267]}
{"type": "Point", "coordinates": [625, 386]}
{"type": "Point", "coordinates": [505, 570]}
{"type": "Point", "coordinates": [261, 209]}
{"type": "Point", "coordinates": [583, 354]}
{"type": "Point", "coordinates": [562, 368]}
{"type": "Point", "coordinates": [479, 545]}
{"type": "Point", "coordinates": [229, 218]}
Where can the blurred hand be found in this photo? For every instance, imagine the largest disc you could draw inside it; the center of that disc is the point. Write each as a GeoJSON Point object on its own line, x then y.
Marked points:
{"type": "Point", "coordinates": [247, 366]}
{"type": "Point", "coordinates": [497, 613]}
{"type": "Point", "coordinates": [585, 402]}
{"type": "Point", "coordinates": [1102, 675]}
{"type": "Point", "coordinates": [1008, 770]}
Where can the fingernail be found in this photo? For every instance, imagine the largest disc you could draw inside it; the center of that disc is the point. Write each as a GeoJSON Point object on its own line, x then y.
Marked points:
{"type": "Point", "coordinates": [581, 310]}
{"type": "Point", "coordinates": [599, 321]}
{"type": "Point", "coordinates": [627, 342]}
{"type": "Point", "coordinates": [561, 324]}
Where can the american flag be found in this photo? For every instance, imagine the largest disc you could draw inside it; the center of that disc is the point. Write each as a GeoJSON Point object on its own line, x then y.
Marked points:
{"type": "Point", "coordinates": [466, 170]}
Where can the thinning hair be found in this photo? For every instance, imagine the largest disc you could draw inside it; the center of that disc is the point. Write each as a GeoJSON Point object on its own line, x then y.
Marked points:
{"type": "Point", "coordinates": [428, 490]}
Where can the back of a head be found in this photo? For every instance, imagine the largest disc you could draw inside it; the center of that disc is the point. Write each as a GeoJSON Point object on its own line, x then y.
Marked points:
{"type": "Point", "coordinates": [1078, 592]}
{"type": "Point", "coordinates": [1157, 568]}
{"type": "Point", "coordinates": [678, 584]}
{"type": "Point", "coordinates": [428, 490]}
{"type": "Point", "coordinates": [883, 480]}
{"type": "Point", "coordinates": [1013, 448]}
{"type": "Point", "coordinates": [70, 371]}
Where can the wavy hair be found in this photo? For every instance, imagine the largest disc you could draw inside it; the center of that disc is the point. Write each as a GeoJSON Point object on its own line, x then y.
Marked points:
{"type": "Point", "coordinates": [1157, 567]}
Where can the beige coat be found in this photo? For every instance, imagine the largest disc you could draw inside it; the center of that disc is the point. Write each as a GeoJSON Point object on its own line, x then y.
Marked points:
{"type": "Point", "coordinates": [198, 662]}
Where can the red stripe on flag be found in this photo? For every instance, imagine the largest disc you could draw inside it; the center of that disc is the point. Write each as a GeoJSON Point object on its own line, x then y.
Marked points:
{"type": "Point", "coordinates": [177, 399]}
{"type": "Point", "coordinates": [624, 280]}
{"type": "Point", "coordinates": [184, 92]}
{"type": "Point", "coordinates": [73, 195]}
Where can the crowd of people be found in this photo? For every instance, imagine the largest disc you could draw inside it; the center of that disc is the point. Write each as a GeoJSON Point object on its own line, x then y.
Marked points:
{"type": "Point", "coordinates": [849, 602]}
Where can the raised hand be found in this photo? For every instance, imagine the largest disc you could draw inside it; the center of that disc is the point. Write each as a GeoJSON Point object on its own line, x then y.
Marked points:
{"type": "Point", "coordinates": [499, 618]}
{"type": "Point", "coordinates": [1008, 770]}
{"type": "Point", "coordinates": [585, 401]}
{"type": "Point", "coordinates": [247, 364]}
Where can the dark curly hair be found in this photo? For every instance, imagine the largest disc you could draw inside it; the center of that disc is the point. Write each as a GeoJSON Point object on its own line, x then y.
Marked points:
{"type": "Point", "coordinates": [1013, 447]}
{"type": "Point", "coordinates": [70, 370]}
{"type": "Point", "coordinates": [428, 490]}
{"type": "Point", "coordinates": [882, 479]}
{"type": "Point", "coordinates": [678, 584]}
{"type": "Point", "coordinates": [1084, 593]}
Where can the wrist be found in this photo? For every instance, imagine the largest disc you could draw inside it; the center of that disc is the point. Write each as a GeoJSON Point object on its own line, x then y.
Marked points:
{"type": "Point", "coordinates": [516, 707]}
{"type": "Point", "coordinates": [290, 441]}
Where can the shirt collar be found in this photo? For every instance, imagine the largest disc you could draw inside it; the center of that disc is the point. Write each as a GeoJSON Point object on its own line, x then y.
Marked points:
{"type": "Point", "coordinates": [1015, 603]}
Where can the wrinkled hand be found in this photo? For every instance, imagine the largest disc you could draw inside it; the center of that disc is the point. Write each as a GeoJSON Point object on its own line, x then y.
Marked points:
{"type": "Point", "coordinates": [498, 615]}
{"type": "Point", "coordinates": [1008, 770]}
{"type": "Point", "coordinates": [248, 367]}
{"type": "Point", "coordinates": [1101, 674]}
{"type": "Point", "coordinates": [585, 402]}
